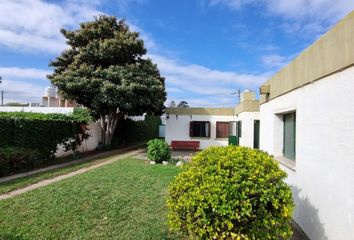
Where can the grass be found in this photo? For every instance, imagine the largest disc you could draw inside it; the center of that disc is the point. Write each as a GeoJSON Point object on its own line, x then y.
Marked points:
{"type": "Point", "coordinates": [122, 200]}
{"type": "Point", "coordinates": [26, 181]}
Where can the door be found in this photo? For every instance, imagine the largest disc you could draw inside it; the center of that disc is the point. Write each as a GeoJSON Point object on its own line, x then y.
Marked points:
{"type": "Point", "coordinates": [233, 139]}
{"type": "Point", "coordinates": [256, 134]}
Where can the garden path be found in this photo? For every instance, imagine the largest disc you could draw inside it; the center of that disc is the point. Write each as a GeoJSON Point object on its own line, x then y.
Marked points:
{"type": "Point", "coordinates": [112, 158]}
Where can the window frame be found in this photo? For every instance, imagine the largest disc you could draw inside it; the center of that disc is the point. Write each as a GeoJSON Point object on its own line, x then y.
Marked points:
{"type": "Point", "coordinates": [191, 130]}
{"type": "Point", "coordinates": [293, 147]}
{"type": "Point", "coordinates": [216, 129]}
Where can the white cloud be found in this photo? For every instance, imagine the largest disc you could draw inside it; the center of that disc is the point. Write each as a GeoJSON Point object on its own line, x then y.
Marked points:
{"type": "Point", "coordinates": [20, 91]}
{"type": "Point", "coordinates": [233, 4]}
{"type": "Point", "coordinates": [304, 16]}
{"type": "Point", "coordinates": [27, 73]}
{"type": "Point", "coordinates": [275, 61]}
{"type": "Point", "coordinates": [35, 25]}
{"type": "Point", "coordinates": [201, 86]}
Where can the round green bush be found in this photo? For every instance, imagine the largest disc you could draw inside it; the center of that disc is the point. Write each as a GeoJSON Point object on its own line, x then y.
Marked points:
{"type": "Point", "coordinates": [231, 193]}
{"type": "Point", "coordinates": [158, 151]}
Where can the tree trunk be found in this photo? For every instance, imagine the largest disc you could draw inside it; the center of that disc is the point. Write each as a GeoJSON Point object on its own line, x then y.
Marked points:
{"type": "Point", "coordinates": [108, 124]}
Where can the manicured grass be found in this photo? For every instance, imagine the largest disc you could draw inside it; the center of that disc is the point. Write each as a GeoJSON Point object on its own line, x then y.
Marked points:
{"type": "Point", "coordinates": [122, 200]}
{"type": "Point", "coordinates": [26, 181]}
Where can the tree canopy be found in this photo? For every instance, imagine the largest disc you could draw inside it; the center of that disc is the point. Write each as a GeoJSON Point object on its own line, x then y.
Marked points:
{"type": "Point", "coordinates": [104, 69]}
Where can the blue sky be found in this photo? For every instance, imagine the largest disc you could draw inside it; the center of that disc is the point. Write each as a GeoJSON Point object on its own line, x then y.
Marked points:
{"type": "Point", "coordinates": [205, 49]}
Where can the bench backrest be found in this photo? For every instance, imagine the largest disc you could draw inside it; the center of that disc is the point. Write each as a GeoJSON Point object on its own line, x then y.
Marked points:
{"type": "Point", "coordinates": [194, 144]}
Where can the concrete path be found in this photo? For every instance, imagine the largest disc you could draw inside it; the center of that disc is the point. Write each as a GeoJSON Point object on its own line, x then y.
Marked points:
{"type": "Point", "coordinates": [61, 165]}
{"type": "Point", "coordinates": [71, 174]}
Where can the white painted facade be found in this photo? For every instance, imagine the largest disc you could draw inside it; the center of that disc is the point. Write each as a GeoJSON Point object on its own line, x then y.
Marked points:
{"type": "Point", "coordinates": [247, 119]}
{"type": "Point", "coordinates": [177, 128]}
{"type": "Point", "coordinates": [322, 178]}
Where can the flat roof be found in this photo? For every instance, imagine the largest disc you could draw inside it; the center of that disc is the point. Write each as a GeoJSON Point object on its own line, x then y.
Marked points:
{"type": "Point", "coordinates": [333, 52]}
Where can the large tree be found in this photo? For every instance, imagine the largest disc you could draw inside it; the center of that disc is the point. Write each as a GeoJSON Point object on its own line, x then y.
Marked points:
{"type": "Point", "coordinates": [105, 70]}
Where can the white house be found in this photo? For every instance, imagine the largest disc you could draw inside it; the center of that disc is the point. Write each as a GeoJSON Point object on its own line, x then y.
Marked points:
{"type": "Point", "coordinates": [216, 126]}
{"type": "Point", "coordinates": [307, 123]}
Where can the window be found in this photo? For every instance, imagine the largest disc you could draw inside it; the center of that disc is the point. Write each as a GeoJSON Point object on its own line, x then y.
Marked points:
{"type": "Point", "coordinates": [199, 129]}
{"type": "Point", "coordinates": [222, 129]}
{"type": "Point", "coordinates": [289, 135]}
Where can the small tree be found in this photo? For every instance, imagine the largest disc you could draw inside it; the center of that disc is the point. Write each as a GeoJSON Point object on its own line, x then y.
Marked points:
{"type": "Point", "coordinates": [172, 104]}
{"type": "Point", "coordinates": [182, 104]}
{"type": "Point", "coordinates": [104, 70]}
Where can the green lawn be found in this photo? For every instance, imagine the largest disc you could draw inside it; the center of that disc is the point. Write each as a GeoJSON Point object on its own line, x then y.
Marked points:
{"type": "Point", "coordinates": [25, 181]}
{"type": "Point", "coordinates": [123, 200]}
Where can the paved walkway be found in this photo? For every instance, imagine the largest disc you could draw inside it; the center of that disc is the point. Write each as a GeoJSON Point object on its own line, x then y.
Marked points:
{"type": "Point", "coordinates": [46, 182]}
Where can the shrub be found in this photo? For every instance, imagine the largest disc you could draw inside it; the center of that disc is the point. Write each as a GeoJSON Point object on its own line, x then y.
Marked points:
{"type": "Point", "coordinates": [13, 158]}
{"type": "Point", "coordinates": [158, 151]}
{"type": "Point", "coordinates": [41, 132]}
{"type": "Point", "coordinates": [231, 193]}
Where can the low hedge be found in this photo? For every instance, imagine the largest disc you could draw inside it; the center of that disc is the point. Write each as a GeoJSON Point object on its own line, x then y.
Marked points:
{"type": "Point", "coordinates": [16, 158]}
{"type": "Point", "coordinates": [231, 193]}
{"type": "Point", "coordinates": [40, 132]}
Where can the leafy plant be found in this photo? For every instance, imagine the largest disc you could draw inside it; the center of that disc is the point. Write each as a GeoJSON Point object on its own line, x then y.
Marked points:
{"type": "Point", "coordinates": [158, 151]}
{"type": "Point", "coordinates": [41, 132]}
{"type": "Point", "coordinates": [13, 158]}
{"type": "Point", "coordinates": [231, 193]}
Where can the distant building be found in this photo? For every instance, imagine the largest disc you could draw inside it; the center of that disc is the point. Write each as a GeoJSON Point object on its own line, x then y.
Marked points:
{"type": "Point", "coordinates": [216, 126]}
{"type": "Point", "coordinates": [51, 99]}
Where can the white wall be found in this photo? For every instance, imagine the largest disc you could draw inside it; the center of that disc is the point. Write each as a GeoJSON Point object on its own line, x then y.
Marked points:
{"type": "Point", "coordinates": [64, 110]}
{"type": "Point", "coordinates": [178, 129]}
{"type": "Point", "coordinates": [89, 144]}
{"type": "Point", "coordinates": [323, 178]}
{"type": "Point", "coordinates": [247, 135]}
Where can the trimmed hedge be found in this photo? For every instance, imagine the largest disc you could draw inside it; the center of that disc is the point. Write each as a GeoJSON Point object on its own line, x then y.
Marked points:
{"type": "Point", "coordinates": [41, 132]}
{"type": "Point", "coordinates": [231, 193]}
{"type": "Point", "coordinates": [15, 158]}
{"type": "Point", "coordinates": [129, 131]}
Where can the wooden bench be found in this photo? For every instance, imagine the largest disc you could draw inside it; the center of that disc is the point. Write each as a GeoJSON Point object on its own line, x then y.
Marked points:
{"type": "Point", "coordinates": [185, 145]}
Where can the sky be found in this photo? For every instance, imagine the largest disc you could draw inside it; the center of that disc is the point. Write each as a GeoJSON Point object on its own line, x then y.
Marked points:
{"type": "Point", "coordinates": [205, 49]}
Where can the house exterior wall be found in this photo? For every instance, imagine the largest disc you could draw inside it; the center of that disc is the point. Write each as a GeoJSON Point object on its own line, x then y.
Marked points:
{"type": "Point", "coordinates": [87, 145]}
{"type": "Point", "coordinates": [323, 176]}
{"type": "Point", "coordinates": [247, 135]}
{"type": "Point", "coordinates": [330, 53]}
{"type": "Point", "coordinates": [177, 128]}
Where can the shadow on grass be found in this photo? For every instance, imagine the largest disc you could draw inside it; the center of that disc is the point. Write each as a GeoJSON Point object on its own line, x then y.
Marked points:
{"type": "Point", "coordinates": [310, 221]}
{"type": "Point", "coordinates": [8, 236]}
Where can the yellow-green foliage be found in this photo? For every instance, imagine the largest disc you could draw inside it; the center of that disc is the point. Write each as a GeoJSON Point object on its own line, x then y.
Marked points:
{"type": "Point", "coordinates": [231, 193]}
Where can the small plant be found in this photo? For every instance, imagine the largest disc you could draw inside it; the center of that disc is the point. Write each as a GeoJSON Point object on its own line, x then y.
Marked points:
{"type": "Point", "coordinates": [158, 151]}
{"type": "Point", "coordinates": [231, 193]}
